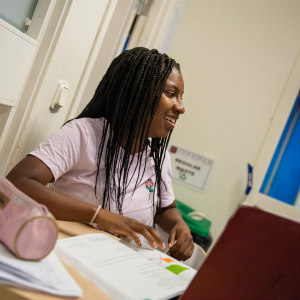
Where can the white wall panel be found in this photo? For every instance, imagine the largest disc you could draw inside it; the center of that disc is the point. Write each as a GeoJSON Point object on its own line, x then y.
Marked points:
{"type": "Point", "coordinates": [236, 58]}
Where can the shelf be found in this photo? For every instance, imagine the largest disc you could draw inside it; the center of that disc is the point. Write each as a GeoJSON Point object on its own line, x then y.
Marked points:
{"type": "Point", "coordinates": [7, 102]}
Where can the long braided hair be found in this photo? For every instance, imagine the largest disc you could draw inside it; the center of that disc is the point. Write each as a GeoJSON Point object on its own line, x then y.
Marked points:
{"type": "Point", "coordinates": [127, 98]}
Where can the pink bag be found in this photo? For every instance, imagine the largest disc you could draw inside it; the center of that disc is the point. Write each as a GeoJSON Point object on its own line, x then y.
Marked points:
{"type": "Point", "coordinates": [27, 228]}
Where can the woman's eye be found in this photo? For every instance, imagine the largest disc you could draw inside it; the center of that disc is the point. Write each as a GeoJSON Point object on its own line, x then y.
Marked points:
{"type": "Point", "coordinates": [169, 94]}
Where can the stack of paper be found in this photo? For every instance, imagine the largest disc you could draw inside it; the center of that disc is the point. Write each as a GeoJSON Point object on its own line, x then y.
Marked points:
{"type": "Point", "coordinates": [47, 275]}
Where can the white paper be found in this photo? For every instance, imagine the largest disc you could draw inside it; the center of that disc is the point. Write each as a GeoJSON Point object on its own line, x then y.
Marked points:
{"type": "Point", "coordinates": [47, 275]}
{"type": "Point", "coordinates": [165, 261]}
{"type": "Point", "coordinates": [118, 270]}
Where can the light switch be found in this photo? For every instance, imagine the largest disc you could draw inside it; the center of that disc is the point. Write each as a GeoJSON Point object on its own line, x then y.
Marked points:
{"type": "Point", "coordinates": [60, 97]}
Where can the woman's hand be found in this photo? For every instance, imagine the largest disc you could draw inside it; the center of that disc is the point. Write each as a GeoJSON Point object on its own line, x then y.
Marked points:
{"type": "Point", "coordinates": [180, 241]}
{"type": "Point", "coordinates": [128, 228]}
{"type": "Point", "coordinates": [181, 245]}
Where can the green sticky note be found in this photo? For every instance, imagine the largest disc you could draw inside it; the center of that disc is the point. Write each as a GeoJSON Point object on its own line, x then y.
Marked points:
{"type": "Point", "coordinates": [176, 269]}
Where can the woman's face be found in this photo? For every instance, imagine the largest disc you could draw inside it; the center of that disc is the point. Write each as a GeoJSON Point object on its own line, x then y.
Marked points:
{"type": "Point", "coordinates": [169, 107]}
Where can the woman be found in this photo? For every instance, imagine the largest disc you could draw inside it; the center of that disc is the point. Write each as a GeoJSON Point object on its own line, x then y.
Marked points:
{"type": "Point", "coordinates": [113, 155]}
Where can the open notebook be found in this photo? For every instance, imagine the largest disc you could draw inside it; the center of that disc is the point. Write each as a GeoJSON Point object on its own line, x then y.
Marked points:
{"type": "Point", "coordinates": [256, 257]}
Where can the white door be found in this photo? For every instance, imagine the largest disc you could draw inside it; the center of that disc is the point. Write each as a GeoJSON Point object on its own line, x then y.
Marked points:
{"type": "Point", "coordinates": [21, 29]}
{"type": "Point", "coordinates": [74, 59]}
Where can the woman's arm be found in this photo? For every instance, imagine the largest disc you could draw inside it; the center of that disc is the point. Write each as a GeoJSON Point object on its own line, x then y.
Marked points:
{"type": "Point", "coordinates": [180, 242]}
{"type": "Point", "coordinates": [31, 175]}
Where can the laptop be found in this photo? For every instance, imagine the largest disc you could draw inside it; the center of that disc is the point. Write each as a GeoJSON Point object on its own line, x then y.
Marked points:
{"type": "Point", "coordinates": [256, 257]}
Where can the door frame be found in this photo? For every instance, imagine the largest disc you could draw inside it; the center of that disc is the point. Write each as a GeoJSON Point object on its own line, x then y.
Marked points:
{"type": "Point", "coordinates": [277, 124]}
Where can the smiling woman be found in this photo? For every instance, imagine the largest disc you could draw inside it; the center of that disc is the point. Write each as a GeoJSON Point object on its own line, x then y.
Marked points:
{"type": "Point", "coordinates": [102, 163]}
{"type": "Point", "coordinates": [170, 105]}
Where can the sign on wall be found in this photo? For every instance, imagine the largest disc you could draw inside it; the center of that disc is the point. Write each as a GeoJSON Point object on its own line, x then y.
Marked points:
{"type": "Point", "coordinates": [190, 168]}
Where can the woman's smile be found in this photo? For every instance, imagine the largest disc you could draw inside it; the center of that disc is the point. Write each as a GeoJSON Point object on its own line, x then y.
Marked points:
{"type": "Point", "coordinates": [169, 107]}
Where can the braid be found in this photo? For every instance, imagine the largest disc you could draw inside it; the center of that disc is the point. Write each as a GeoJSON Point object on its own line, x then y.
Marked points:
{"type": "Point", "coordinates": [127, 98]}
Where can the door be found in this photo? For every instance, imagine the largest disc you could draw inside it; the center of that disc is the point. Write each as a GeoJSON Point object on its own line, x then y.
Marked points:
{"type": "Point", "coordinates": [21, 30]}
{"type": "Point", "coordinates": [284, 130]}
{"type": "Point", "coordinates": [72, 61]}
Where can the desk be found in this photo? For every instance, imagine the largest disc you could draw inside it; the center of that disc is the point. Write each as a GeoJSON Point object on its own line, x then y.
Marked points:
{"type": "Point", "coordinates": [90, 291]}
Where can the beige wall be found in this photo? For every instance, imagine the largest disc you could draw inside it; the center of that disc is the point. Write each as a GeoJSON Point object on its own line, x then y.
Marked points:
{"type": "Point", "coordinates": [236, 57]}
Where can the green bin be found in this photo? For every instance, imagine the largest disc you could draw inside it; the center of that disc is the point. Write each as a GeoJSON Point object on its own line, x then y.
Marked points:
{"type": "Point", "coordinates": [197, 226]}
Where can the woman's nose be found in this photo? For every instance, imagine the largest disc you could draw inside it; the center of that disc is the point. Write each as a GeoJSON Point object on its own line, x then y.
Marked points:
{"type": "Point", "coordinates": [179, 106]}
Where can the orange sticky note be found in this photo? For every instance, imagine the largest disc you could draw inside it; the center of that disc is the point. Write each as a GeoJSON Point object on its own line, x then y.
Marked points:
{"type": "Point", "coordinates": [168, 260]}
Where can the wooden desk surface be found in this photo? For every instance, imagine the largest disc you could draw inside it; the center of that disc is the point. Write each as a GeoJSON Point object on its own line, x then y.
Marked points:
{"type": "Point", "coordinates": [90, 291]}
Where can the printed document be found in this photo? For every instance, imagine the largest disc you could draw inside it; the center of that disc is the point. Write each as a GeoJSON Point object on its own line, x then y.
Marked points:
{"type": "Point", "coordinates": [120, 271]}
